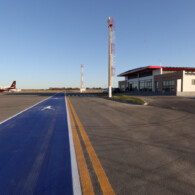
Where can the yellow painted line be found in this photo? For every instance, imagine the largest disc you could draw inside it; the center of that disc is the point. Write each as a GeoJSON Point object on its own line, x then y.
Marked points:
{"type": "Point", "coordinates": [102, 178]}
{"type": "Point", "coordinates": [83, 170]}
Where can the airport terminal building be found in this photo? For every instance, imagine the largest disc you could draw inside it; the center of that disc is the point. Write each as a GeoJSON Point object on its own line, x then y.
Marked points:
{"type": "Point", "coordinates": [178, 80]}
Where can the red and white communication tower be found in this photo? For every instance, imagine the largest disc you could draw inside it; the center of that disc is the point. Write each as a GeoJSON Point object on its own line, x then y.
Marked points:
{"type": "Point", "coordinates": [82, 89]}
{"type": "Point", "coordinates": [111, 26]}
{"type": "Point", "coordinates": [81, 76]}
{"type": "Point", "coordinates": [113, 63]}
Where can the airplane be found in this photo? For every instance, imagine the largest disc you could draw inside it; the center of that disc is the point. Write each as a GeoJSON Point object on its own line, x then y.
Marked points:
{"type": "Point", "coordinates": [12, 88]}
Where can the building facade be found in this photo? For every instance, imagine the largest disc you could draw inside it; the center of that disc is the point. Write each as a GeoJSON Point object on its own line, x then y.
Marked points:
{"type": "Point", "coordinates": [159, 79]}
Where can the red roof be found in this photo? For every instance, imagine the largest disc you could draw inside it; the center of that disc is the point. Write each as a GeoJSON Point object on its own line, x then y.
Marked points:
{"type": "Point", "coordinates": [142, 69]}
{"type": "Point", "coordinates": [178, 68]}
{"type": "Point", "coordinates": [137, 70]}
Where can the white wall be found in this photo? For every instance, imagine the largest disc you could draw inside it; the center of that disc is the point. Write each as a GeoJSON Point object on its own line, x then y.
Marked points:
{"type": "Point", "coordinates": [157, 71]}
{"type": "Point", "coordinates": [187, 94]}
{"type": "Point", "coordinates": [178, 85]}
{"type": "Point", "coordinates": [187, 83]}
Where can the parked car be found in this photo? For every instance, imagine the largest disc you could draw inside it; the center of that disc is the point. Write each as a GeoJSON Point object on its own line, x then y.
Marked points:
{"type": "Point", "coordinates": [105, 90]}
{"type": "Point", "coordinates": [114, 90]}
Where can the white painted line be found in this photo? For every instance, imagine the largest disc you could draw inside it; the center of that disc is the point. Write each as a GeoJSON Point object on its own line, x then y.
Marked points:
{"type": "Point", "coordinates": [48, 108]}
{"type": "Point", "coordinates": [74, 166]}
{"type": "Point", "coordinates": [24, 110]}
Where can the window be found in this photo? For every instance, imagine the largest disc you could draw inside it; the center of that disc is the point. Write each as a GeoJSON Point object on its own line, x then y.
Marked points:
{"type": "Point", "coordinates": [122, 87]}
{"type": "Point", "coordinates": [132, 76]}
{"type": "Point", "coordinates": [156, 85]}
{"type": "Point", "coordinates": [146, 85]}
{"type": "Point", "coordinates": [145, 74]}
{"type": "Point", "coordinates": [189, 73]}
{"type": "Point", "coordinates": [193, 81]}
{"type": "Point", "coordinates": [169, 85]}
{"type": "Point", "coordinates": [133, 86]}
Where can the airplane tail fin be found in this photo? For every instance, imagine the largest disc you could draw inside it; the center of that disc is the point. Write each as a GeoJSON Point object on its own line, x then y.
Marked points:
{"type": "Point", "coordinates": [13, 86]}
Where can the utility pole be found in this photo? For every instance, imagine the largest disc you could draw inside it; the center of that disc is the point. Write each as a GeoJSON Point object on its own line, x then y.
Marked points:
{"type": "Point", "coordinates": [110, 60]}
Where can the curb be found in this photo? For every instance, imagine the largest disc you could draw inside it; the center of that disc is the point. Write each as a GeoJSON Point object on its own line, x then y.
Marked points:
{"type": "Point", "coordinates": [122, 101]}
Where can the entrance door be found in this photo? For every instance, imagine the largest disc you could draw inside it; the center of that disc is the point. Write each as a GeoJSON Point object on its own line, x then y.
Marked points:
{"type": "Point", "coordinates": [130, 87]}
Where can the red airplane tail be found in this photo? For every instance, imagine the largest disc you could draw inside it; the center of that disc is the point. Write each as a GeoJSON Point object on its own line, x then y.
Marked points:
{"type": "Point", "coordinates": [13, 86]}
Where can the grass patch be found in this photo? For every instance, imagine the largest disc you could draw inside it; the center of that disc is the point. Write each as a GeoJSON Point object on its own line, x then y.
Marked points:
{"type": "Point", "coordinates": [129, 99]}
{"type": "Point", "coordinates": [124, 98]}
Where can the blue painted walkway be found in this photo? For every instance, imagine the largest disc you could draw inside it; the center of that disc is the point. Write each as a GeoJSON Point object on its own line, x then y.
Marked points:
{"type": "Point", "coordinates": [35, 151]}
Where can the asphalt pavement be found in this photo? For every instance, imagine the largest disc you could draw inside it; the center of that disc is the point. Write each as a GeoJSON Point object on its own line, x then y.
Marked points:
{"type": "Point", "coordinates": [183, 104]}
{"type": "Point", "coordinates": [13, 103]}
{"type": "Point", "coordinates": [143, 149]}
{"type": "Point", "coordinates": [35, 151]}
{"type": "Point", "coordinates": [140, 149]}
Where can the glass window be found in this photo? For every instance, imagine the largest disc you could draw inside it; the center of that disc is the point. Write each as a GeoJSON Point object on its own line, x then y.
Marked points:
{"type": "Point", "coordinates": [146, 85]}
{"type": "Point", "coordinates": [156, 85]}
{"type": "Point", "coordinates": [145, 74]}
{"type": "Point", "coordinates": [122, 86]}
{"type": "Point", "coordinates": [133, 86]}
{"type": "Point", "coordinates": [193, 81]}
{"type": "Point", "coordinates": [169, 85]}
{"type": "Point", "coordinates": [190, 73]}
{"type": "Point", "coordinates": [132, 76]}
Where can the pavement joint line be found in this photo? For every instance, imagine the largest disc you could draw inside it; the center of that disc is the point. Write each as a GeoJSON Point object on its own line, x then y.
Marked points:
{"type": "Point", "coordinates": [26, 109]}
{"type": "Point", "coordinates": [101, 175]}
{"type": "Point", "coordinates": [84, 172]}
{"type": "Point", "coordinates": [74, 166]}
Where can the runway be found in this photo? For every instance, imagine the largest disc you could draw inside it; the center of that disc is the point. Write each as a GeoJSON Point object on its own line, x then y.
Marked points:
{"type": "Point", "coordinates": [83, 144]}
{"type": "Point", "coordinates": [13, 103]}
{"type": "Point", "coordinates": [35, 150]}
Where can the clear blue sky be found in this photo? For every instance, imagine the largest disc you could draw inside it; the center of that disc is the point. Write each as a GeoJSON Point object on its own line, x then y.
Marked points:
{"type": "Point", "coordinates": [43, 42]}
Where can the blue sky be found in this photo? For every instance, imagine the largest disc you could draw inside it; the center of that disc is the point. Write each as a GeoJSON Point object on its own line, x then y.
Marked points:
{"type": "Point", "coordinates": [43, 42]}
